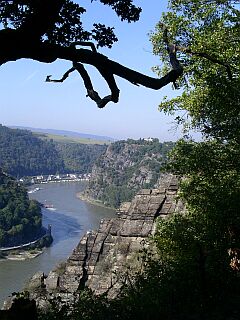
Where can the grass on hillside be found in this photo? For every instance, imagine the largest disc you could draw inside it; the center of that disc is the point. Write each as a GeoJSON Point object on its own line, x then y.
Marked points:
{"type": "Point", "coordinates": [67, 139]}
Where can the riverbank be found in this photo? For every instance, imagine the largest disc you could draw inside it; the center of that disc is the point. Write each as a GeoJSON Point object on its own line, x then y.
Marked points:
{"type": "Point", "coordinates": [22, 255]}
{"type": "Point", "coordinates": [93, 201]}
{"type": "Point", "coordinates": [113, 246]}
{"type": "Point", "coordinates": [71, 219]}
{"type": "Point", "coordinates": [29, 250]}
{"type": "Point", "coordinates": [44, 179]}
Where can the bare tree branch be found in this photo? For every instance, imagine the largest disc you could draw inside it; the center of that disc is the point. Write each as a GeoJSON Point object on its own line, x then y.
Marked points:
{"type": "Point", "coordinates": [108, 76]}
{"type": "Point", "coordinates": [16, 46]}
{"type": "Point", "coordinates": [64, 77]}
{"type": "Point", "coordinates": [108, 68]}
{"type": "Point", "coordinates": [171, 49]}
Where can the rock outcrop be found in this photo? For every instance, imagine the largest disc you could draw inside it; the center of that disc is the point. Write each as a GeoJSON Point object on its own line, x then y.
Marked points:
{"type": "Point", "coordinates": [124, 169]}
{"type": "Point", "coordinates": [102, 256]}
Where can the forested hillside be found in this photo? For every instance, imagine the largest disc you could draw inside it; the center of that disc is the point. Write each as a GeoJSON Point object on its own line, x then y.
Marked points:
{"type": "Point", "coordinates": [22, 153]}
{"type": "Point", "coordinates": [126, 167]}
{"type": "Point", "coordinates": [20, 218]}
{"type": "Point", "coordinates": [79, 157]}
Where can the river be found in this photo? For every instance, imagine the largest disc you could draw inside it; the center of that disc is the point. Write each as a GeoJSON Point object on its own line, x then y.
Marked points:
{"type": "Point", "coordinates": [69, 222]}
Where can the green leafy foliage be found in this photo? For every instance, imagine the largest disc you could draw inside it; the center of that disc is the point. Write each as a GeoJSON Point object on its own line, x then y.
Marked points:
{"type": "Point", "coordinates": [211, 188]}
{"type": "Point", "coordinates": [206, 34]}
{"type": "Point", "coordinates": [20, 218]}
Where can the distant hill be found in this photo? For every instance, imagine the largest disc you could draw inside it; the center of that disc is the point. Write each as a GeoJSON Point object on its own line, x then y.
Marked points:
{"type": "Point", "coordinates": [23, 153]}
{"type": "Point", "coordinates": [69, 140]}
{"type": "Point", "coordinates": [69, 134]}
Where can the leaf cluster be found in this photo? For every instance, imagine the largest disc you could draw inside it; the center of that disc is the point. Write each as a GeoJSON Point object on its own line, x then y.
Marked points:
{"type": "Point", "coordinates": [68, 26]}
{"type": "Point", "coordinates": [206, 35]}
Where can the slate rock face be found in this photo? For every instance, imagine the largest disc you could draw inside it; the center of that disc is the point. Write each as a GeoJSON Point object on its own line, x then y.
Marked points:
{"type": "Point", "coordinates": [125, 168]}
{"type": "Point", "coordinates": [103, 255]}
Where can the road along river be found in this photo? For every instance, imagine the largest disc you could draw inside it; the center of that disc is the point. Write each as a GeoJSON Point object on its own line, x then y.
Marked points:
{"type": "Point", "coordinates": [71, 218]}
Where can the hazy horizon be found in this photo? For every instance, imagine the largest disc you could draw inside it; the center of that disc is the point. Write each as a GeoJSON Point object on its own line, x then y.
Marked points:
{"type": "Point", "coordinates": [27, 100]}
{"type": "Point", "coordinates": [61, 131]}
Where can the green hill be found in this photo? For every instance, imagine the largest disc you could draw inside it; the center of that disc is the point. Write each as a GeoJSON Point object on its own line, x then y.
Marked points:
{"type": "Point", "coordinates": [20, 218]}
{"type": "Point", "coordinates": [69, 135]}
{"type": "Point", "coordinates": [23, 153]}
{"type": "Point", "coordinates": [78, 157]}
{"type": "Point", "coordinates": [68, 139]}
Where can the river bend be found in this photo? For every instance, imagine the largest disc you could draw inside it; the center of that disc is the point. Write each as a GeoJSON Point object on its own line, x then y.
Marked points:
{"type": "Point", "coordinates": [71, 219]}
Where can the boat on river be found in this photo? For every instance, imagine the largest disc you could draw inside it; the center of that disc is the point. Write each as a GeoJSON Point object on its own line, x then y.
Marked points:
{"type": "Point", "coordinates": [49, 206]}
{"type": "Point", "coordinates": [34, 190]}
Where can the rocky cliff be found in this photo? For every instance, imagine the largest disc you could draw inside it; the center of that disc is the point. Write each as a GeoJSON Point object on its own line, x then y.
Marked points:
{"type": "Point", "coordinates": [103, 256]}
{"type": "Point", "coordinates": [125, 168]}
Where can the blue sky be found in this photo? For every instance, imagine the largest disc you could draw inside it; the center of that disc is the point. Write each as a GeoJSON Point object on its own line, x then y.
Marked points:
{"type": "Point", "coordinates": [27, 100]}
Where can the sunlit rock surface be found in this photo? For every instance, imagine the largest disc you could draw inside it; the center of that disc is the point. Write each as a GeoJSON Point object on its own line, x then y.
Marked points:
{"type": "Point", "coordinates": [102, 256]}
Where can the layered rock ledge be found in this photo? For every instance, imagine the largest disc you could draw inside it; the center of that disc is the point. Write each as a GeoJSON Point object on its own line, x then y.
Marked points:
{"type": "Point", "coordinates": [102, 256]}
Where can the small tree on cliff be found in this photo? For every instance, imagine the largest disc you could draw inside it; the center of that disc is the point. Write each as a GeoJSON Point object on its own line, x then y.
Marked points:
{"type": "Point", "coordinates": [45, 30]}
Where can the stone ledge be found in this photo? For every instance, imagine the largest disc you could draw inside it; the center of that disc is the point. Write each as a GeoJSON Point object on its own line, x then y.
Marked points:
{"type": "Point", "coordinates": [115, 244]}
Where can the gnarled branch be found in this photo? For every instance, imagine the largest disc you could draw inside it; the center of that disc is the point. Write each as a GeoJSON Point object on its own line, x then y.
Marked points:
{"type": "Point", "coordinates": [64, 77]}
{"type": "Point", "coordinates": [108, 68]}
{"type": "Point", "coordinates": [171, 49]}
{"type": "Point", "coordinates": [16, 45]}
{"type": "Point", "coordinates": [108, 76]}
